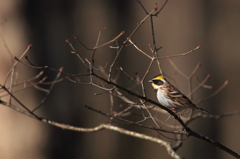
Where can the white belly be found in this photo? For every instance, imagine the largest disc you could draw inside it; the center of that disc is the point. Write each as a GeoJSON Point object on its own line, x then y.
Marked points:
{"type": "Point", "coordinates": [163, 100]}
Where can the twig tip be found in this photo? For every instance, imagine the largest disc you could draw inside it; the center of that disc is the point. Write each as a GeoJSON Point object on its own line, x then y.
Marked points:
{"type": "Point", "coordinates": [15, 58]}
{"type": "Point", "coordinates": [226, 82]}
{"type": "Point", "coordinates": [67, 41]}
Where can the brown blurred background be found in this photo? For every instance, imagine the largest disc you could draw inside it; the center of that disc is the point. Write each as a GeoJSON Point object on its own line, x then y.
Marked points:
{"type": "Point", "coordinates": [182, 25]}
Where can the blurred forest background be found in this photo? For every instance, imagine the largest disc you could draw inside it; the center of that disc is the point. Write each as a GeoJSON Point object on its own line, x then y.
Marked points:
{"type": "Point", "coordinates": [180, 27]}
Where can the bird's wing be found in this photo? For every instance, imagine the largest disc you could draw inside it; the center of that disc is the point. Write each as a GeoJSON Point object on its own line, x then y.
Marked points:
{"type": "Point", "coordinates": [181, 100]}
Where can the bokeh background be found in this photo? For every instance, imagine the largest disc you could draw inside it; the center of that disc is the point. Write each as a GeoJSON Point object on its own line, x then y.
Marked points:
{"type": "Point", "coordinates": [180, 27]}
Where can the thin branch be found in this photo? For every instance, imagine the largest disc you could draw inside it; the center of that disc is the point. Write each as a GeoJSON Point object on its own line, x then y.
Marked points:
{"type": "Point", "coordinates": [133, 123]}
{"type": "Point", "coordinates": [15, 64]}
{"type": "Point", "coordinates": [121, 69]}
{"type": "Point", "coordinates": [224, 148]}
{"type": "Point", "coordinates": [195, 70]}
{"type": "Point", "coordinates": [167, 145]}
{"type": "Point", "coordinates": [182, 54]}
{"type": "Point", "coordinates": [165, 3]}
{"type": "Point", "coordinates": [125, 42]}
{"type": "Point", "coordinates": [139, 49]}
{"type": "Point", "coordinates": [118, 36]}
{"type": "Point", "coordinates": [201, 84]}
{"type": "Point", "coordinates": [49, 90]}
{"type": "Point", "coordinates": [84, 46]}
{"type": "Point", "coordinates": [18, 101]}
{"type": "Point", "coordinates": [75, 52]}
{"type": "Point", "coordinates": [176, 68]}
{"type": "Point", "coordinates": [215, 93]}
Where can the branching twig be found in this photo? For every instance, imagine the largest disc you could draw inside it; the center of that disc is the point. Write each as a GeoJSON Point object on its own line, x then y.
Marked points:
{"type": "Point", "coordinates": [49, 90]}
{"type": "Point", "coordinates": [15, 64]}
{"type": "Point", "coordinates": [191, 133]}
{"type": "Point", "coordinates": [125, 42]}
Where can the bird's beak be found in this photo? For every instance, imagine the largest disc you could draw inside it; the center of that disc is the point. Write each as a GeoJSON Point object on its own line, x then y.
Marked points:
{"type": "Point", "coordinates": [150, 81]}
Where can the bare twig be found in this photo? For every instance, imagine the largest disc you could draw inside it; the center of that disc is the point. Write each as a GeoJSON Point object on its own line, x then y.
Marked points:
{"type": "Point", "coordinates": [182, 54]}
{"type": "Point", "coordinates": [15, 64]}
{"type": "Point", "coordinates": [215, 93]}
{"type": "Point", "coordinates": [139, 49]}
{"type": "Point", "coordinates": [125, 42]}
{"type": "Point", "coordinates": [201, 84]}
{"type": "Point", "coordinates": [114, 39]}
{"type": "Point", "coordinates": [167, 145]}
{"type": "Point", "coordinates": [49, 90]}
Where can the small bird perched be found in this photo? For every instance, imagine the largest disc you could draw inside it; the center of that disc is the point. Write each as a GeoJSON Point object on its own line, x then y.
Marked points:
{"type": "Point", "coordinates": [171, 97]}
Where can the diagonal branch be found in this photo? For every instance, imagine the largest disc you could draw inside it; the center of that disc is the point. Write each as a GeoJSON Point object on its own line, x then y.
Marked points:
{"type": "Point", "coordinates": [190, 132]}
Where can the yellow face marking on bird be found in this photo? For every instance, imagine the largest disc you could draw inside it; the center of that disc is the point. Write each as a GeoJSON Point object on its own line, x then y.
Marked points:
{"type": "Point", "coordinates": [154, 85]}
{"type": "Point", "coordinates": [159, 77]}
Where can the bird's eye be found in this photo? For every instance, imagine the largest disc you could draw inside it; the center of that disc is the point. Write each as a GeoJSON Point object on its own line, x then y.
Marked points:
{"type": "Point", "coordinates": [158, 82]}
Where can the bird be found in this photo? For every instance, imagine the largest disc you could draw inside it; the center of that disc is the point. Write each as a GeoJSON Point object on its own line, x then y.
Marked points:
{"type": "Point", "coordinates": [169, 96]}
